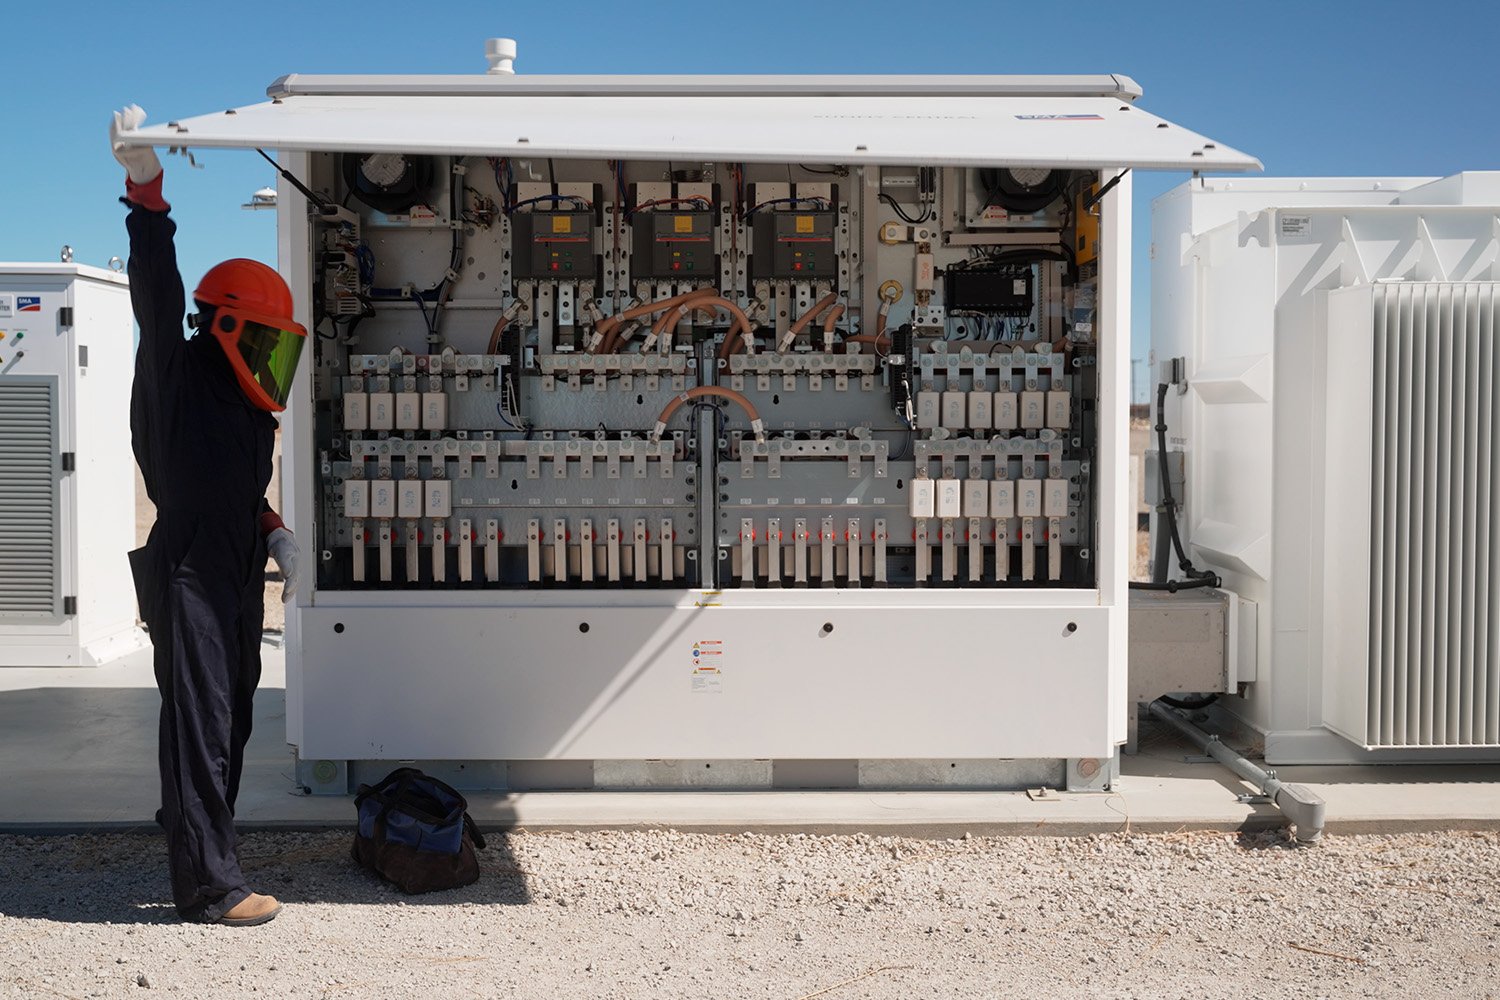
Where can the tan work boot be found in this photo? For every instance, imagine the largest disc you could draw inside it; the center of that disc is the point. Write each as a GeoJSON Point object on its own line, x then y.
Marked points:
{"type": "Point", "coordinates": [253, 909]}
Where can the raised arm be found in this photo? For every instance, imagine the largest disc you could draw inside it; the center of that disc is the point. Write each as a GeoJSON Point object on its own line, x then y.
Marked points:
{"type": "Point", "coordinates": [155, 284]}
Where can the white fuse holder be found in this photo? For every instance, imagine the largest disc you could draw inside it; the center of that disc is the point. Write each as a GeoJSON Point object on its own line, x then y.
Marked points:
{"type": "Point", "coordinates": [1033, 415]}
{"type": "Point", "coordinates": [1007, 412]}
{"type": "Point", "coordinates": [408, 411]}
{"type": "Point", "coordinates": [356, 498]}
{"type": "Point", "coordinates": [980, 407]}
{"type": "Point", "coordinates": [1002, 498]}
{"type": "Point", "coordinates": [923, 501]}
{"type": "Point", "coordinates": [1055, 498]}
{"type": "Point", "coordinates": [928, 410]}
{"type": "Point", "coordinates": [382, 411]}
{"type": "Point", "coordinates": [1029, 497]}
{"type": "Point", "coordinates": [383, 498]}
{"type": "Point", "coordinates": [409, 498]}
{"type": "Point", "coordinates": [1058, 409]}
{"type": "Point", "coordinates": [439, 498]}
{"type": "Point", "coordinates": [356, 411]}
{"type": "Point", "coordinates": [955, 409]}
{"type": "Point", "coordinates": [949, 498]}
{"type": "Point", "coordinates": [976, 498]}
{"type": "Point", "coordinates": [925, 272]}
{"type": "Point", "coordinates": [434, 411]}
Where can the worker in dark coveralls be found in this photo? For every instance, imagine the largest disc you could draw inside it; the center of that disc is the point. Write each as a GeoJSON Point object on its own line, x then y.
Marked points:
{"type": "Point", "coordinates": [202, 429]}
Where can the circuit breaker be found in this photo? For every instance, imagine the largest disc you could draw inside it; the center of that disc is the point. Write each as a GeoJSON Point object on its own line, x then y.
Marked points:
{"type": "Point", "coordinates": [553, 245]}
{"type": "Point", "coordinates": [674, 244]}
{"type": "Point", "coordinates": [795, 245]}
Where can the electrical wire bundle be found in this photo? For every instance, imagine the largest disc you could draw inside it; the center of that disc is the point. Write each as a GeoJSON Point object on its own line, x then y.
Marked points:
{"type": "Point", "coordinates": [1195, 577]}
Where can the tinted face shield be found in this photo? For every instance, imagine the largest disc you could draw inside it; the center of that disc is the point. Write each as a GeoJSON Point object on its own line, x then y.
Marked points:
{"type": "Point", "coordinates": [263, 353]}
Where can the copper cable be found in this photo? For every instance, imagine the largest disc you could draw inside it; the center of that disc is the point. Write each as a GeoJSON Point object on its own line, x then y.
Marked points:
{"type": "Point", "coordinates": [831, 320]}
{"type": "Point", "coordinates": [740, 322]}
{"type": "Point", "coordinates": [709, 390]}
{"type": "Point", "coordinates": [609, 324]}
{"type": "Point", "coordinates": [806, 319]}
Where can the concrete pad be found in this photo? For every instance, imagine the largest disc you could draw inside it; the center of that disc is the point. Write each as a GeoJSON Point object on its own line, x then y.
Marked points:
{"type": "Point", "coordinates": [79, 752]}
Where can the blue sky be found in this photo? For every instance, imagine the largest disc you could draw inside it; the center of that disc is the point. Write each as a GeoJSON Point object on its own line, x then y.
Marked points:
{"type": "Point", "coordinates": [1310, 88]}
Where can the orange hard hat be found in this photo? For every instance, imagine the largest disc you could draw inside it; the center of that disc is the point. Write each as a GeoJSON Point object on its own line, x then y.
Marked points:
{"type": "Point", "coordinates": [246, 285]}
{"type": "Point", "coordinates": [253, 323]}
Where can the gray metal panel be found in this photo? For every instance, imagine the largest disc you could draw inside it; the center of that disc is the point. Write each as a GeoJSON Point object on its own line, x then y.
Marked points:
{"type": "Point", "coordinates": [1177, 643]}
{"type": "Point", "coordinates": [30, 557]}
{"type": "Point", "coordinates": [527, 683]}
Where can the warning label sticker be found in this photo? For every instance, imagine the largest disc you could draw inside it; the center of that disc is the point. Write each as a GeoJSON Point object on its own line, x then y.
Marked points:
{"type": "Point", "coordinates": [708, 666]}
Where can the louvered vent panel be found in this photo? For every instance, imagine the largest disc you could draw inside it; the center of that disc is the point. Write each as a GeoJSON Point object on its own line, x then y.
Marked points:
{"type": "Point", "coordinates": [29, 582]}
{"type": "Point", "coordinates": [1434, 654]}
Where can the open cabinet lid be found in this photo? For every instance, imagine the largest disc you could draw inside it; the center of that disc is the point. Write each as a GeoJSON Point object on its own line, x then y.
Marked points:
{"type": "Point", "coordinates": [1079, 122]}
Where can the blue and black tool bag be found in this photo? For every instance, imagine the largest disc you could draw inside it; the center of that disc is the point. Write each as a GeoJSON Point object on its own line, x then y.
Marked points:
{"type": "Point", "coordinates": [414, 832]}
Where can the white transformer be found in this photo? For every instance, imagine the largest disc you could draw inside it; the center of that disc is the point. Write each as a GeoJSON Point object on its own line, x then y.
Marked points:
{"type": "Point", "coordinates": [1336, 340]}
{"type": "Point", "coordinates": [67, 491]}
{"type": "Point", "coordinates": [744, 431]}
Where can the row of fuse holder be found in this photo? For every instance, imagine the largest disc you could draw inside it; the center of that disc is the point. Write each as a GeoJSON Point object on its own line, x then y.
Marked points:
{"type": "Point", "coordinates": [981, 409]}
{"type": "Point", "coordinates": [392, 498]}
{"type": "Point", "coordinates": [396, 411]}
{"type": "Point", "coordinates": [998, 498]}
{"type": "Point", "coordinates": [410, 498]}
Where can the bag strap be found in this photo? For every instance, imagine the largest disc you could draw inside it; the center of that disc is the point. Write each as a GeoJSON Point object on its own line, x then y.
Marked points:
{"type": "Point", "coordinates": [446, 788]}
{"type": "Point", "coordinates": [402, 799]}
{"type": "Point", "coordinates": [401, 778]}
{"type": "Point", "coordinates": [474, 833]}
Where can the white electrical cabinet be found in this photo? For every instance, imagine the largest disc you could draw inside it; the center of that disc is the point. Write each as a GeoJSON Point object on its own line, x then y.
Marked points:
{"type": "Point", "coordinates": [741, 420]}
{"type": "Point", "coordinates": [1337, 338]}
{"type": "Point", "coordinates": [67, 491]}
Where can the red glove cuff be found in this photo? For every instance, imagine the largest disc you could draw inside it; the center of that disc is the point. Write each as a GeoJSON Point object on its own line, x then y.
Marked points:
{"type": "Point", "coordinates": [147, 195]}
{"type": "Point", "coordinates": [269, 522]}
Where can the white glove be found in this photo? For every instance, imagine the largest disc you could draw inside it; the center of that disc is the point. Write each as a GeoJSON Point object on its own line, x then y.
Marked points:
{"type": "Point", "coordinates": [282, 545]}
{"type": "Point", "coordinates": [140, 162]}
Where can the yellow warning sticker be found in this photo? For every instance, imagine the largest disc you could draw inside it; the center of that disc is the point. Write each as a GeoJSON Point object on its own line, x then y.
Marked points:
{"type": "Point", "coordinates": [682, 224]}
{"type": "Point", "coordinates": [562, 223]}
{"type": "Point", "coordinates": [804, 223]}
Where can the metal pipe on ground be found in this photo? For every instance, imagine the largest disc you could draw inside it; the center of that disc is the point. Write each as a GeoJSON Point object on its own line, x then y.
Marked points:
{"type": "Point", "coordinates": [1298, 803]}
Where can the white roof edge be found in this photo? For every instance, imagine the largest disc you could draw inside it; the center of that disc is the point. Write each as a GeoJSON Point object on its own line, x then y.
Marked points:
{"type": "Point", "coordinates": [488, 85]}
{"type": "Point", "coordinates": [1331, 182]}
{"type": "Point", "coordinates": [20, 269]}
{"type": "Point", "coordinates": [1220, 183]}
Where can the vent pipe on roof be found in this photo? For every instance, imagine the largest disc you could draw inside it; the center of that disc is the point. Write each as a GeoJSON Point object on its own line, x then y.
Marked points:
{"type": "Point", "coordinates": [501, 53]}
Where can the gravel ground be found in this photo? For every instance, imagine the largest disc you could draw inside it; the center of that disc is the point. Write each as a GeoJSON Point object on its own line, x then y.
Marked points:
{"type": "Point", "coordinates": [663, 914]}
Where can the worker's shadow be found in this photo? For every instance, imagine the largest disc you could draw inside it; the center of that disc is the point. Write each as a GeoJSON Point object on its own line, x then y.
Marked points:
{"type": "Point", "coordinates": [317, 868]}
{"type": "Point", "coordinates": [121, 878]}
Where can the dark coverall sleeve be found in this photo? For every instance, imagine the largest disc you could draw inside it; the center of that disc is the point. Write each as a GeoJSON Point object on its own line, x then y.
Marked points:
{"type": "Point", "coordinates": [157, 298]}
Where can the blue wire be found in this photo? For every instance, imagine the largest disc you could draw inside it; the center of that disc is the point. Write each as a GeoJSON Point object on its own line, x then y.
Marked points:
{"type": "Point", "coordinates": [365, 257]}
